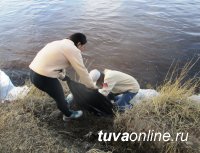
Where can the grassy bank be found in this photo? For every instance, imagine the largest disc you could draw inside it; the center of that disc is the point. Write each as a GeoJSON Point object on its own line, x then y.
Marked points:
{"type": "Point", "coordinates": [170, 112]}
{"type": "Point", "coordinates": [35, 125]}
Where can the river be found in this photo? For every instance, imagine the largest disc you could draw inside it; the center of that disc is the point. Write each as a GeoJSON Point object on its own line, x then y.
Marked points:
{"type": "Point", "coordinates": [138, 37]}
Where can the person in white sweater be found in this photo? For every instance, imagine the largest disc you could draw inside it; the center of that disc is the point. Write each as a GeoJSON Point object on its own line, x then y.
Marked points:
{"type": "Point", "coordinates": [121, 85]}
{"type": "Point", "coordinates": [49, 63]}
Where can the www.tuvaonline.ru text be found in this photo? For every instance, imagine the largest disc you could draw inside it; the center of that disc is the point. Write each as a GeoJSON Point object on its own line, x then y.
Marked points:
{"type": "Point", "coordinates": [142, 136]}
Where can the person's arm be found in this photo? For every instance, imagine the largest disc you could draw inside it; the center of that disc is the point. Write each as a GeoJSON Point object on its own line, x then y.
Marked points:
{"type": "Point", "coordinates": [76, 62]}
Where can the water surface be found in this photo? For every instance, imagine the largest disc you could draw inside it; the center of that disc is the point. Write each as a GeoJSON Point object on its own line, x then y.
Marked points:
{"type": "Point", "coordinates": [139, 37]}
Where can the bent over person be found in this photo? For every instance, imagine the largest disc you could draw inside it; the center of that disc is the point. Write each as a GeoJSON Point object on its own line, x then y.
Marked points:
{"type": "Point", "coordinates": [49, 64]}
{"type": "Point", "coordinates": [122, 86]}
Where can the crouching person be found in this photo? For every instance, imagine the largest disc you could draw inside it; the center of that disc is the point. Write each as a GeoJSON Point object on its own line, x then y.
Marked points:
{"type": "Point", "coordinates": [123, 86]}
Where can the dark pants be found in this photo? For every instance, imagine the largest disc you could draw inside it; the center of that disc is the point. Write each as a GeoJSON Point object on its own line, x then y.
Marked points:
{"type": "Point", "coordinates": [123, 100]}
{"type": "Point", "coordinates": [53, 88]}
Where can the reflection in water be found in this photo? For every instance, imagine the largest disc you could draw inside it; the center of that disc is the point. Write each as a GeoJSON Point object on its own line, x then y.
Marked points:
{"type": "Point", "coordinates": [141, 38]}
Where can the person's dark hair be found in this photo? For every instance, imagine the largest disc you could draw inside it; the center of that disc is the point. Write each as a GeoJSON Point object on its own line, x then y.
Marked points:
{"type": "Point", "coordinates": [78, 37]}
{"type": "Point", "coordinates": [101, 79]}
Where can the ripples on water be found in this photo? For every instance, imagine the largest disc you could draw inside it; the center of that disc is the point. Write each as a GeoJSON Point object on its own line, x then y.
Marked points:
{"type": "Point", "coordinates": [139, 37]}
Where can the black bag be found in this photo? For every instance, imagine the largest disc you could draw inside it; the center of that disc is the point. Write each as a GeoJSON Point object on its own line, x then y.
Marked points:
{"type": "Point", "coordinates": [89, 99]}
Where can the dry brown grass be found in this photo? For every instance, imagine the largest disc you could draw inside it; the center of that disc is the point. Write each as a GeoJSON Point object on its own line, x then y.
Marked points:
{"type": "Point", "coordinates": [34, 124]}
{"type": "Point", "coordinates": [22, 129]}
{"type": "Point", "coordinates": [171, 112]}
{"type": "Point", "coordinates": [97, 151]}
{"type": "Point", "coordinates": [19, 130]}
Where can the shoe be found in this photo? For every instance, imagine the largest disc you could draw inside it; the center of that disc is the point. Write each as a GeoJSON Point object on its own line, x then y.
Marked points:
{"type": "Point", "coordinates": [69, 99]}
{"type": "Point", "coordinates": [112, 101]}
{"type": "Point", "coordinates": [74, 115]}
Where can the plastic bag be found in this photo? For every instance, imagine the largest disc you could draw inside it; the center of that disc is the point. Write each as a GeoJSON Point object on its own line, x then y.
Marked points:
{"type": "Point", "coordinates": [89, 99]}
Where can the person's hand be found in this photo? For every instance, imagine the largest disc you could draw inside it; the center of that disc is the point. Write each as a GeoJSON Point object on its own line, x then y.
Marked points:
{"type": "Point", "coordinates": [61, 76]}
